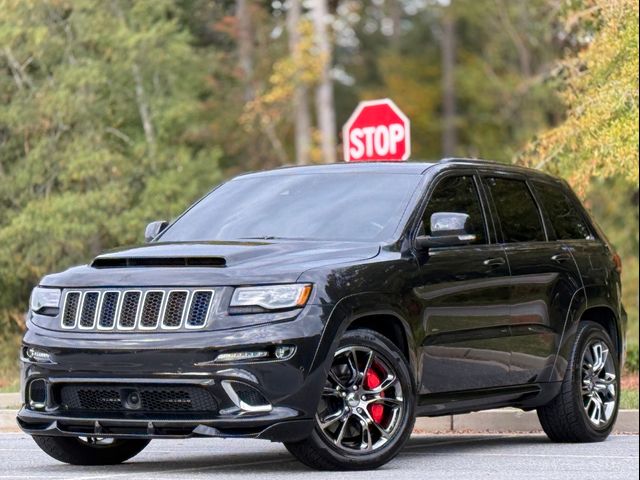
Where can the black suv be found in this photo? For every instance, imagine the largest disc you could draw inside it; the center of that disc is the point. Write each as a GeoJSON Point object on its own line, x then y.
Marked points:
{"type": "Point", "coordinates": [326, 307]}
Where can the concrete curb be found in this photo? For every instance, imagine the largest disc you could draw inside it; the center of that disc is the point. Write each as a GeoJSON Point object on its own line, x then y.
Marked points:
{"type": "Point", "coordinates": [508, 420]}
{"type": "Point", "coordinates": [504, 420]}
{"type": "Point", "coordinates": [10, 400]}
{"type": "Point", "coordinates": [8, 421]}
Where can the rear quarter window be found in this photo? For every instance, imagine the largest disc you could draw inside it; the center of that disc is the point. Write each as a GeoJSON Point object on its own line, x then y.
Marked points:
{"type": "Point", "coordinates": [565, 217]}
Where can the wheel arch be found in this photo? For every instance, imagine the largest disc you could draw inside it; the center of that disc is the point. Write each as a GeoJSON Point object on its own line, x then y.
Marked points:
{"type": "Point", "coordinates": [386, 324]}
{"type": "Point", "coordinates": [605, 316]}
{"type": "Point", "coordinates": [372, 311]}
{"type": "Point", "coordinates": [588, 305]}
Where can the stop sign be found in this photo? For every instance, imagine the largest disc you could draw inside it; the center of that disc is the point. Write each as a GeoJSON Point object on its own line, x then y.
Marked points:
{"type": "Point", "coordinates": [377, 131]}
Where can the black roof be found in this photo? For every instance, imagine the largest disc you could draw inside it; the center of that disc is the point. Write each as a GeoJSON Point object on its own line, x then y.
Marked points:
{"type": "Point", "coordinates": [409, 167]}
{"type": "Point", "coordinates": [415, 168]}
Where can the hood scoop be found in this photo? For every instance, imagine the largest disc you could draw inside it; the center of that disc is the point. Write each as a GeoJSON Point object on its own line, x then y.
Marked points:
{"type": "Point", "coordinates": [124, 262]}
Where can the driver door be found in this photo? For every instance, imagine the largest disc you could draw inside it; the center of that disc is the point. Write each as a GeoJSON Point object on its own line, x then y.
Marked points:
{"type": "Point", "coordinates": [464, 294]}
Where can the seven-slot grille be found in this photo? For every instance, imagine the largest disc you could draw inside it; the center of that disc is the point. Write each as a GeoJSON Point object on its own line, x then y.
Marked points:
{"type": "Point", "coordinates": [136, 309]}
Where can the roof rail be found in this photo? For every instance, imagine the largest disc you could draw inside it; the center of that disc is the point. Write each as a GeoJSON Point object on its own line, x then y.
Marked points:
{"type": "Point", "coordinates": [471, 160]}
{"type": "Point", "coordinates": [508, 166]}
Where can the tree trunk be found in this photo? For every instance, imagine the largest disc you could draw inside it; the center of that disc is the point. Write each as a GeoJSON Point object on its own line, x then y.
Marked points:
{"type": "Point", "coordinates": [142, 101]}
{"type": "Point", "coordinates": [143, 109]}
{"type": "Point", "coordinates": [447, 45]}
{"type": "Point", "coordinates": [324, 92]}
{"type": "Point", "coordinates": [19, 75]}
{"type": "Point", "coordinates": [245, 47]}
{"type": "Point", "coordinates": [524, 55]}
{"type": "Point", "coordinates": [302, 120]}
{"type": "Point", "coordinates": [245, 58]}
{"type": "Point", "coordinates": [395, 7]}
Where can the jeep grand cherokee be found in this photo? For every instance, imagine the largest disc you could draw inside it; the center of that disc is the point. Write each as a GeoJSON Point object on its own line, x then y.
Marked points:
{"type": "Point", "coordinates": [326, 307]}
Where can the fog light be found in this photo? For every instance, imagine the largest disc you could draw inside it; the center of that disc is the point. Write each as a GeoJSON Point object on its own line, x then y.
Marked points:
{"type": "Point", "coordinates": [38, 356]}
{"type": "Point", "coordinates": [38, 394]}
{"type": "Point", "coordinates": [283, 352]}
{"type": "Point", "coordinates": [241, 356]}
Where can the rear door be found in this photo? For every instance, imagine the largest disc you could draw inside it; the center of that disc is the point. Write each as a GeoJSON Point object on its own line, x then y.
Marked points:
{"type": "Point", "coordinates": [544, 277]}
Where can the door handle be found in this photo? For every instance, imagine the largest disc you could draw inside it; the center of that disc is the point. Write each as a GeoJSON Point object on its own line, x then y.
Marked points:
{"type": "Point", "coordinates": [494, 262]}
{"type": "Point", "coordinates": [561, 257]}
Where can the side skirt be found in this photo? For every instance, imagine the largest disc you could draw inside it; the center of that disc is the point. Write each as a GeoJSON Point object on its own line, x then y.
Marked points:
{"type": "Point", "coordinates": [526, 397]}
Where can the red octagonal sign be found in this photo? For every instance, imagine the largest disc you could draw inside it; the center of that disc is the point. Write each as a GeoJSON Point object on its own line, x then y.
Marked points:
{"type": "Point", "coordinates": [377, 131]}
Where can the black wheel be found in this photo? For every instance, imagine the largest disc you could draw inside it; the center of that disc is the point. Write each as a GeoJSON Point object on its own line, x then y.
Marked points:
{"type": "Point", "coordinates": [366, 412]}
{"type": "Point", "coordinates": [587, 406]}
{"type": "Point", "coordinates": [90, 450]}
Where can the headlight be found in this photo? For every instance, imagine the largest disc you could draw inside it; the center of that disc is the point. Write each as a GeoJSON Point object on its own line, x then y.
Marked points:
{"type": "Point", "coordinates": [272, 297]}
{"type": "Point", "coordinates": [44, 298]}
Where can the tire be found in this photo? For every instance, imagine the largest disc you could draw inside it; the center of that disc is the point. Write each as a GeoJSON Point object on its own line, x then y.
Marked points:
{"type": "Point", "coordinates": [76, 451]}
{"type": "Point", "coordinates": [383, 427]}
{"type": "Point", "coordinates": [565, 418]}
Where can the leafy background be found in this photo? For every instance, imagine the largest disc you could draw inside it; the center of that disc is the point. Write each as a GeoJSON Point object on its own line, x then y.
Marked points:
{"type": "Point", "coordinates": [114, 113]}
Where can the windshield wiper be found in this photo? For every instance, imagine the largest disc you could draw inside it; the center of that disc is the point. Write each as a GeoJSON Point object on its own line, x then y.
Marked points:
{"type": "Point", "coordinates": [270, 237]}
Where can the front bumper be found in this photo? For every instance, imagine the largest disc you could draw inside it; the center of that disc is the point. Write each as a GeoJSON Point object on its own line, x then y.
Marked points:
{"type": "Point", "coordinates": [280, 425]}
{"type": "Point", "coordinates": [125, 363]}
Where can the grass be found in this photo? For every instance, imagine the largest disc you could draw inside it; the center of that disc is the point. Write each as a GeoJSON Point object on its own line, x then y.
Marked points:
{"type": "Point", "coordinates": [632, 330]}
{"type": "Point", "coordinates": [629, 399]}
{"type": "Point", "coordinates": [9, 364]}
{"type": "Point", "coordinates": [10, 386]}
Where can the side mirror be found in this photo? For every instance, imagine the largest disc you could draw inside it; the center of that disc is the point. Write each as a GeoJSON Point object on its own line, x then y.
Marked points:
{"type": "Point", "coordinates": [447, 229]}
{"type": "Point", "coordinates": [154, 229]}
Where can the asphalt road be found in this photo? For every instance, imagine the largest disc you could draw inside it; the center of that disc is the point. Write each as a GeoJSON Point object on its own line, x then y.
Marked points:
{"type": "Point", "coordinates": [425, 457]}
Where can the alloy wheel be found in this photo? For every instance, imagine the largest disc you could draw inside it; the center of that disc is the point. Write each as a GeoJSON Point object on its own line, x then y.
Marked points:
{"type": "Point", "coordinates": [362, 402]}
{"type": "Point", "coordinates": [598, 383]}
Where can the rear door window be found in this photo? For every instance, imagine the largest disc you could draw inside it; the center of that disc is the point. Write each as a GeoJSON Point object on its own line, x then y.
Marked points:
{"type": "Point", "coordinates": [566, 219]}
{"type": "Point", "coordinates": [518, 213]}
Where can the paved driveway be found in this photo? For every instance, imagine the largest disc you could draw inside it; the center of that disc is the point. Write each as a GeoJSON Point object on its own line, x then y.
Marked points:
{"type": "Point", "coordinates": [428, 457]}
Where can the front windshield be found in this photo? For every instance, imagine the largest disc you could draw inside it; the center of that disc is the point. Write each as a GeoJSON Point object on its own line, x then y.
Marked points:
{"type": "Point", "coordinates": [320, 206]}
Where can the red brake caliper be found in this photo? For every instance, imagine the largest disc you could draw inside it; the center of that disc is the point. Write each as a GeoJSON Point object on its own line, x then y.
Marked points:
{"type": "Point", "coordinates": [371, 381]}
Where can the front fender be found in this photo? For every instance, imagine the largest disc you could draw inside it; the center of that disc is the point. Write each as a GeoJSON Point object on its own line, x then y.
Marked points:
{"type": "Point", "coordinates": [354, 307]}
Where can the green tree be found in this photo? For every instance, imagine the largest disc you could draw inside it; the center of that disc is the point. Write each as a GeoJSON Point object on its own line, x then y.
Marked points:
{"type": "Point", "coordinates": [599, 137]}
{"type": "Point", "coordinates": [503, 53]}
{"type": "Point", "coordinates": [596, 146]}
{"type": "Point", "coordinates": [100, 131]}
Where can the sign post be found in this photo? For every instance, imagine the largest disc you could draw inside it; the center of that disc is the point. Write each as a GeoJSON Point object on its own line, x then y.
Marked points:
{"type": "Point", "coordinates": [377, 131]}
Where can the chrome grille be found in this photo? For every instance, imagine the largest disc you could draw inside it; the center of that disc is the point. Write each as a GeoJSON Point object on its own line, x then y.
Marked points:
{"type": "Point", "coordinates": [89, 309]}
{"type": "Point", "coordinates": [151, 308]}
{"type": "Point", "coordinates": [129, 310]}
{"type": "Point", "coordinates": [136, 309]}
{"type": "Point", "coordinates": [70, 311]}
{"type": "Point", "coordinates": [199, 309]}
{"type": "Point", "coordinates": [107, 318]}
{"type": "Point", "coordinates": [174, 311]}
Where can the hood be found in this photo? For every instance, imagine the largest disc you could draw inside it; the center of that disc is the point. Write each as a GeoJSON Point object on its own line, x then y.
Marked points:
{"type": "Point", "coordinates": [210, 263]}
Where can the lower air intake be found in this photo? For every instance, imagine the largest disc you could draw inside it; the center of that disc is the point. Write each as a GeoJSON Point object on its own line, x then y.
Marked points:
{"type": "Point", "coordinates": [246, 397]}
{"type": "Point", "coordinates": [149, 399]}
